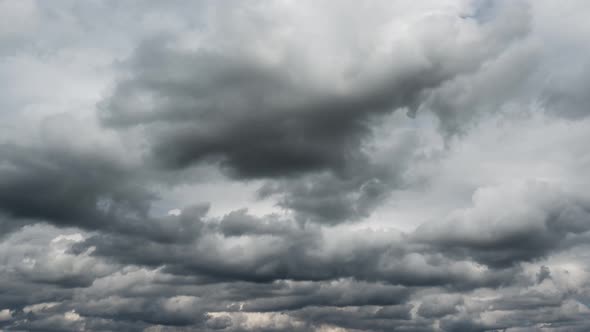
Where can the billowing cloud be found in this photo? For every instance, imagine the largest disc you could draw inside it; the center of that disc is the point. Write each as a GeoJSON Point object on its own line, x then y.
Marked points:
{"type": "Point", "coordinates": [294, 166]}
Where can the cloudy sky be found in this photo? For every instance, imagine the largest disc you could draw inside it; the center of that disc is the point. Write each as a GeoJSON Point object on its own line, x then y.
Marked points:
{"type": "Point", "coordinates": [321, 166]}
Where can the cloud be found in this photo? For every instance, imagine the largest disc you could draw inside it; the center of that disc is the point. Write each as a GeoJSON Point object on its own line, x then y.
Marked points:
{"type": "Point", "coordinates": [277, 110]}
{"type": "Point", "coordinates": [263, 116]}
{"type": "Point", "coordinates": [294, 166]}
{"type": "Point", "coordinates": [67, 188]}
{"type": "Point", "coordinates": [510, 224]}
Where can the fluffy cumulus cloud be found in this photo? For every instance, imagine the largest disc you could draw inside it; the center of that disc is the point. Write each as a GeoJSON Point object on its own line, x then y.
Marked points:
{"type": "Point", "coordinates": [286, 165]}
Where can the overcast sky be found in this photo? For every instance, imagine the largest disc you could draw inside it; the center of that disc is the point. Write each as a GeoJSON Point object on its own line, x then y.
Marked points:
{"type": "Point", "coordinates": [308, 166]}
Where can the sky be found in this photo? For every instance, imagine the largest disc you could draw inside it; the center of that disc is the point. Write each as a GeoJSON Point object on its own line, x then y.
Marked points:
{"type": "Point", "coordinates": [307, 166]}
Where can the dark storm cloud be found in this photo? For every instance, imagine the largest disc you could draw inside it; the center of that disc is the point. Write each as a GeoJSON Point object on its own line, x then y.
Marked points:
{"type": "Point", "coordinates": [87, 190]}
{"type": "Point", "coordinates": [277, 118]}
{"type": "Point", "coordinates": [261, 118]}
{"type": "Point", "coordinates": [331, 198]}
{"type": "Point", "coordinates": [261, 253]}
{"type": "Point", "coordinates": [435, 255]}
{"type": "Point", "coordinates": [293, 97]}
{"type": "Point", "coordinates": [297, 254]}
{"type": "Point", "coordinates": [134, 298]}
{"type": "Point", "coordinates": [234, 119]}
{"type": "Point", "coordinates": [67, 188]}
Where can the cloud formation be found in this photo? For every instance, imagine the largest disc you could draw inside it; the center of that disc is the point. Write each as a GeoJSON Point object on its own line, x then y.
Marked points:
{"type": "Point", "coordinates": [294, 166]}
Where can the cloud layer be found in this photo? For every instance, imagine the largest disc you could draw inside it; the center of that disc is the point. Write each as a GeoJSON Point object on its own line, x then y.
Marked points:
{"type": "Point", "coordinates": [294, 166]}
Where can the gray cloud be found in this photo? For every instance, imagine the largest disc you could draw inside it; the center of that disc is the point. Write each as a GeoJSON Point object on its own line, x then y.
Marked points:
{"type": "Point", "coordinates": [278, 118]}
{"type": "Point", "coordinates": [67, 188]}
{"type": "Point", "coordinates": [540, 218]}
{"type": "Point", "coordinates": [294, 166]}
{"type": "Point", "coordinates": [272, 119]}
